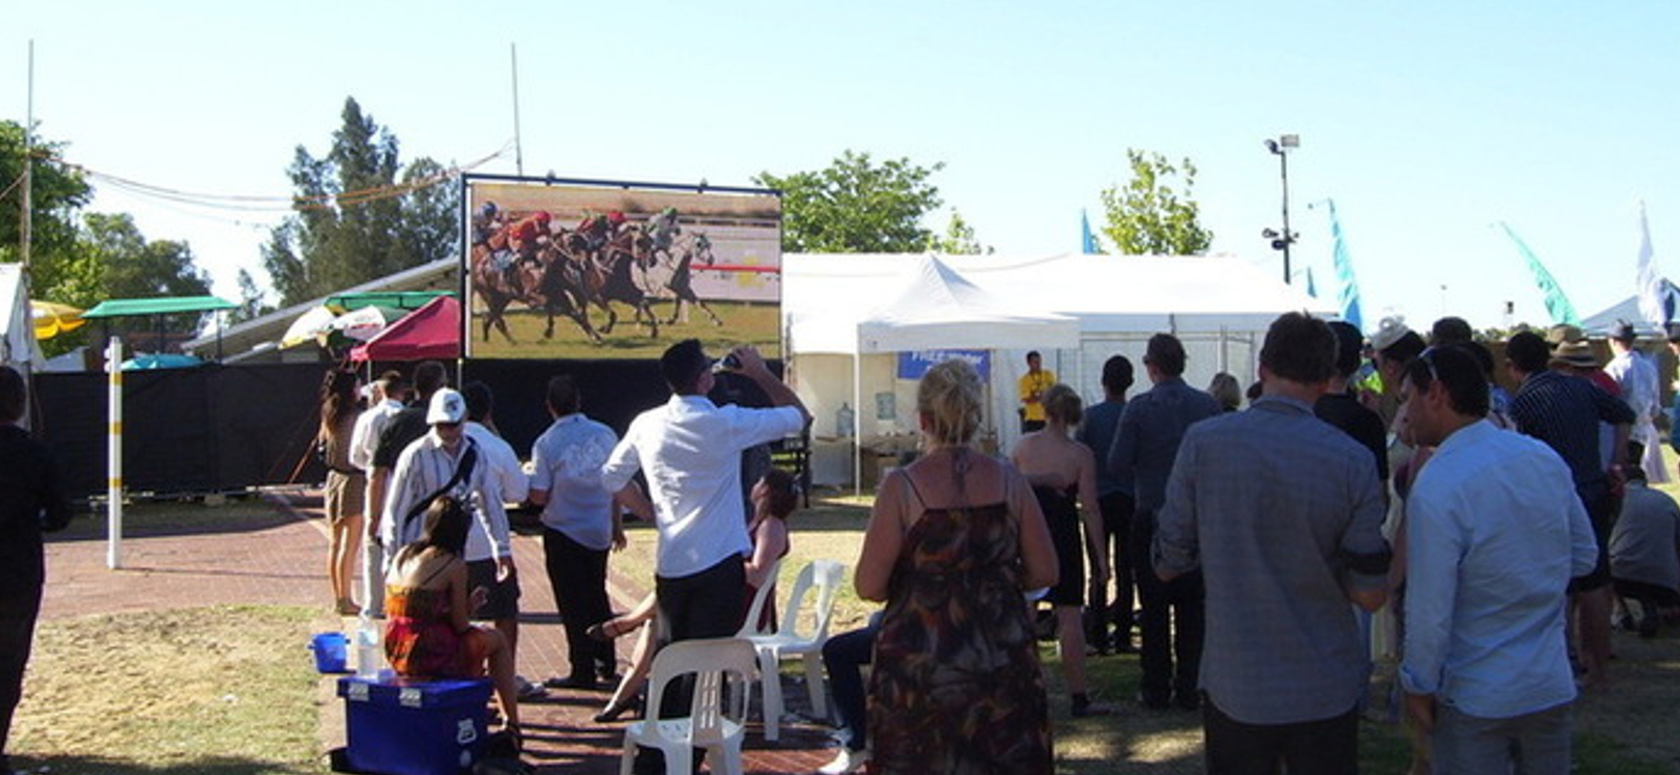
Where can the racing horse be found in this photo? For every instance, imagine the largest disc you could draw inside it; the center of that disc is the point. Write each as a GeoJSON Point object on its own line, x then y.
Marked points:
{"type": "Point", "coordinates": [553, 286]}
{"type": "Point", "coordinates": [681, 281]}
{"type": "Point", "coordinates": [607, 278]}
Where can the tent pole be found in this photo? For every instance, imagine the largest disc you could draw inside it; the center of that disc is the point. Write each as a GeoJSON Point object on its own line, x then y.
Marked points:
{"type": "Point", "coordinates": [857, 441]}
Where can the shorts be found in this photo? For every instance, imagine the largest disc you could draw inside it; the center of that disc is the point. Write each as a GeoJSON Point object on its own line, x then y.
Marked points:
{"type": "Point", "coordinates": [1602, 513]}
{"type": "Point", "coordinates": [344, 496]}
{"type": "Point", "coordinates": [503, 602]}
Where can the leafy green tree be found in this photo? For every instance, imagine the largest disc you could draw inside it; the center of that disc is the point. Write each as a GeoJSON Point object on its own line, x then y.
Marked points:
{"type": "Point", "coordinates": [253, 302]}
{"type": "Point", "coordinates": [57, 192]}
{"type": "Point", "coordinates": [1149, 215]}
{"type": "Point", "coordinates": [856, 206]}
{"type": "Point", "coordinates": [959, 238]}
{"type": "Point", "coordinates": [352, 220]}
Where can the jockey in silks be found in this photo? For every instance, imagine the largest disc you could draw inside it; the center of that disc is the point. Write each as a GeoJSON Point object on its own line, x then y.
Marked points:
{"type": "Point", "coordinates": [662, 231]}
{"type": "Point", "coordinates": [524, 238]}
{"type": "Point", "coordinates": [484, 224]}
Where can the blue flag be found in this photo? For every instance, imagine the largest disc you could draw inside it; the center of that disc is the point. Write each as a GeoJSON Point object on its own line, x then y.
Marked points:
{"type": "Point", "coordinates": [1087, 240]}
{"type": "Point", "coordinates": [1557, 305]}
{"type": "Point", "coordinates": [1348, 292]}
{"type": "Point", "coordinates": [1312, 289]}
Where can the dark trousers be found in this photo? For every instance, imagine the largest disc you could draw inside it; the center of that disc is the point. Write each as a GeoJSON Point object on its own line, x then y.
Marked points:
{"type": "Point", "coordinates": [1171, 621]}
{"type": "Point", "coordinates": [707, 604]}
{"type": "Point", "coordinates": [1324, 747]}
{"type": "Point", "coordinates": [578, 575]}
{"type": "Point", "coordinates": [18, 609]}
{"type": "Point", "coordinates": [1116, 509]}
{"type": "Point", "coordinates": [844, 656]}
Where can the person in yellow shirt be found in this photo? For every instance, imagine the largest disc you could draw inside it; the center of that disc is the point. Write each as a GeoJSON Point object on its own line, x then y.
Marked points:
{"type": "Point", "coordinates": [1031, 387]}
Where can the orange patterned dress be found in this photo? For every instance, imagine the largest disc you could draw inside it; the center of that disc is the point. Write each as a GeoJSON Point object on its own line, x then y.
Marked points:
{"type": "Point", "coordinates": [956, 686]}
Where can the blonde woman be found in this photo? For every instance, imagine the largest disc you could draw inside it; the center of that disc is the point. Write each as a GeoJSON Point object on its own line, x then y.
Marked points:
{"type": "Point", "coordinates": [1063, 474]}
{"type": "Point", "coordinates": [954, 540]}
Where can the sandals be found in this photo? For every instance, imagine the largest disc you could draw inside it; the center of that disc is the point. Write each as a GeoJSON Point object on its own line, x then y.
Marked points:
{"type": "Point", "coordinates": [614, 711]}
{"type": "Point", "coordinates": [610, 630]}
{"type": "Point", "coordinates": [348, 607]}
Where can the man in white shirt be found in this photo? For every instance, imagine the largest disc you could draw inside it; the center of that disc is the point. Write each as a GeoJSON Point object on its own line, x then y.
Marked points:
{"type": "Point", "coordinates": [507, 480]}
{"type": "Point", "coordinates": [1493, 537]}
{"type": "Point", "coordinates": [690, 450]}
{"type": "Point", "coordinates": [580, 525]}
{"type": "Point", "coordinates": [390, 392]}
{"type": "Point", "coordinates": [1636, 375]}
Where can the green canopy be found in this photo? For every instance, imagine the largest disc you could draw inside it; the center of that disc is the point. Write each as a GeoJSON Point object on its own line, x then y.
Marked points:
{"type": "Point", "coordinates": [121, 308]}
{"type": "Point", "coordinates": [406, 300]}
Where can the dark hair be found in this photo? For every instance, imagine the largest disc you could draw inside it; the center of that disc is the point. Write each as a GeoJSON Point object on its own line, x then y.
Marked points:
{"type": "Point", "coordinates": [480, 401]}
{"type": "Point", "coordinates": [394, 384]}
{"type": "Point", "coordinates": [1451, 330]}
{"type": "Point", "coordinates": [1255, 390]}
{"type": "Point", "coordinates": [562, 395]}
{"type": "Point", "coordinates": [784, 492]}
{"type": "Point", "coordinates": [445, 527]}
{"type": "Point", "coordinates": [1031, 354]}
{"type": "Point", "coordinates": [428, 377]}
{"type": "Point", "coordinates": [1479, 351]}
{"type": "Point", "coordinates": [1165, 353]}
{"type": "Point", "coordinates": [1405, 348]}
{"type": "Point", "coordinates": [1117, 374]}
{"type": "Point", "coordinates": [12, 393]}
{"type": "Point", "coordinates": [1350, 347]}
{"type": "Point", "coordinates": [682, 364]}
{"type": "Point", "coordinates": [1062, 403]}
{"type": "Point", "coordinates": [1299, 348]}
{"type": "Point", "coordinates": [1467, 389]}
{"type": "Point", "coordinates": [338, 398]}
{"type": "Point", "coordinates": [1528, 352]}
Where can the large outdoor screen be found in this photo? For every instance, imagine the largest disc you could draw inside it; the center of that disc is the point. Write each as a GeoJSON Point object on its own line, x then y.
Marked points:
{"type": "Point", "coordinates": [619, 271]}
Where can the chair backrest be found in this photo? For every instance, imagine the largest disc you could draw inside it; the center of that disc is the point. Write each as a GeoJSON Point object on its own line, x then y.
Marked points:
{"type": "Point", "coordinates": [755, 613]}
{"type": "Point", "coordinates": [716, 663]}
{"type": "Point", "coordinates": [823, 577]}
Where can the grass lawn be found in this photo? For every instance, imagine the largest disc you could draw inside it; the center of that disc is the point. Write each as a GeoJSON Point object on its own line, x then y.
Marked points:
{"type": "Point", "coordinates": [175, 692]}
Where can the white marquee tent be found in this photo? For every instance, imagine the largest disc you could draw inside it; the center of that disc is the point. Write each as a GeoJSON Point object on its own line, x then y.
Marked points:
{"type": "Point", "coordinates": [1219, 305]}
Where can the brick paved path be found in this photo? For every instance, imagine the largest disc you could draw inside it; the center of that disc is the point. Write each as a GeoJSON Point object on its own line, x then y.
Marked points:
{"type": "Point", "coordinates": [279, 557]}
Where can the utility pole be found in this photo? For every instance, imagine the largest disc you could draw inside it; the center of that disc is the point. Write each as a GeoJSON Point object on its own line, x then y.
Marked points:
{"type": "Point", "coordinates": [518, 146]}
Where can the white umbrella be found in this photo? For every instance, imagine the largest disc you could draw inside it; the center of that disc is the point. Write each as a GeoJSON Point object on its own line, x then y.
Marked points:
{"type": "Point", "coordinates": [308, 327]}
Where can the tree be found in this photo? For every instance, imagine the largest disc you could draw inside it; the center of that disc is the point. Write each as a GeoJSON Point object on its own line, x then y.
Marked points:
{"type": "Point", "coordinates": [1148, 216]}
{"type": "Point", "coordinates": [56, 193]}
{"type": "Point", "coordinates": [856, 206]}
{"type": "Point", "coordinates": [253, 303]}
{"type": "Point", "coordinates": [352, 221]}
{"type": "Point", "coordinates": [959, 238]}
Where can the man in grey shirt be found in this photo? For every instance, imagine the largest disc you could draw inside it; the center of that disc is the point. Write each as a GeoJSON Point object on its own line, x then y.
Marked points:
{"type": "Point", "coordinates": [1282, 514]}
{"type": "Point", "coordinates": [1142, 454]}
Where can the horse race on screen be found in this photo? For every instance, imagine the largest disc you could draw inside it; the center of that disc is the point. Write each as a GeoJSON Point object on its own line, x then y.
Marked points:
{"type": "Point", "coordinates": [621, 271]}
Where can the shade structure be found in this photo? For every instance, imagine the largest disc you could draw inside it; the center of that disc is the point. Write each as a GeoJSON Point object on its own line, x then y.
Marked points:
{"type": "Point", "coordinates": [52, 318]}
{"type": "Point", "coordinates": [119, 308]}
{"type": "Point", "coordinates": [433, 331]}
{"type": "Point", "coordinates": [939, 308]}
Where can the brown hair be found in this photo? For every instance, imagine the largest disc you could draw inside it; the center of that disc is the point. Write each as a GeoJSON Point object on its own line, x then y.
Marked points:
{"type": "Point", "coordinates": [1063, 404]}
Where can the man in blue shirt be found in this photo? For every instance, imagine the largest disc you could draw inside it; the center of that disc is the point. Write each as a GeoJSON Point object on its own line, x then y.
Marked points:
{"type": "Point", "coordinates": [580, 523]}
{"type": "Point", "coordinates": [1151, 427]}
{"type": "Point", "coordinates": [1494, 536]}
{"type": "Point", "coordinates": [1114, 500]}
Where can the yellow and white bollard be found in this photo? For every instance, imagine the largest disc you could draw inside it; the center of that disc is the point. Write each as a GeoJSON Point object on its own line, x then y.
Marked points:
{"type": "Point", "coordinates": [114, 491]}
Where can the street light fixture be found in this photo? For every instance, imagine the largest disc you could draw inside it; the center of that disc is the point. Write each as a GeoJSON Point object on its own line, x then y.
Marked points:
{"type": "Point", "coordinates": [1280, 147]}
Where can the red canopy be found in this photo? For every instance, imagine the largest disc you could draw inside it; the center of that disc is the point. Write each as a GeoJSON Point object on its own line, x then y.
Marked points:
{"type": "Point", "coordinates": [433, 331]}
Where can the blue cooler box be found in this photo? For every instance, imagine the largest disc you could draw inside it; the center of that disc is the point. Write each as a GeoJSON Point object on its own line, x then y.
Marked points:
{"type": "Point", "coordinates": [413, 727]}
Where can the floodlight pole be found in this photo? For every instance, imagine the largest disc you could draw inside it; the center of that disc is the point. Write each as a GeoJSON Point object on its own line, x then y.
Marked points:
{"type": "Point", "coordinates": [1280, 147]}
{"type": "Point", "coordinates": [114, 458]}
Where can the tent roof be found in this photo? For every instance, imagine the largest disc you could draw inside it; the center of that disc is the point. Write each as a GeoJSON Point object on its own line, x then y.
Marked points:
{"type": "Point", "coordinates": [119, 308]}
{"type": "Point", "coordinates": [392, 299]}
{"type": "Point", "coordinates": [433, 331]}
{"type": "Point", "coordinates": [825, 295]}
{"type": "Point", "coordinates": [1628, 309]}
{"type": "Point", "coordinates": [937, 307]}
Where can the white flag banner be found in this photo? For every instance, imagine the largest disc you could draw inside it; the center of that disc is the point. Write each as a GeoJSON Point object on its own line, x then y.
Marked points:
{"type": "Point", "coordinates": [1654, 305]}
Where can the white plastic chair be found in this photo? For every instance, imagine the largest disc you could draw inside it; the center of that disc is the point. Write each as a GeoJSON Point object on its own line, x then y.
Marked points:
{"type": "Point", "coordinates": [723, 669]}
{"type": "Point", "coordinates": [761, 598]}
{"type": "Point", "coordinates": [821, 577]}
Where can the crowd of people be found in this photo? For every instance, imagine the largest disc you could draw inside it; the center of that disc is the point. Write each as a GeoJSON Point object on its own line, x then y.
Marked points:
{"type": "Point", "coordinates": [1255, 552]}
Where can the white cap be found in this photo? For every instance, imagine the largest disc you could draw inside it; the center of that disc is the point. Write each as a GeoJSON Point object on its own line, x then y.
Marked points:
{"type": "Point", "coordinates": [447, 407]}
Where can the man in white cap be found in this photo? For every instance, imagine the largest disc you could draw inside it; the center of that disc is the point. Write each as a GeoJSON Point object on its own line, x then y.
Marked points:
{"type": "Point", "coordinates": [446, 461]}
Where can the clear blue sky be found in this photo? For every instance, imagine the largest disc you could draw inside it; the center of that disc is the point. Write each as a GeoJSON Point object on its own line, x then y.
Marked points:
{"type": "Point", "coordinates": [1425, 121]}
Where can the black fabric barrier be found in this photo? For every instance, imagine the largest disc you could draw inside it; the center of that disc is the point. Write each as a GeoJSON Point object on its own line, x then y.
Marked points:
{"type": "Point", "coordinates": [217, 428]}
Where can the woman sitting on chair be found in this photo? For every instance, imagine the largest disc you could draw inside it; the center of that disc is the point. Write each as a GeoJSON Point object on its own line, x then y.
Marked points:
{"type": "Point", "coordinates": [774, 497]}
{"type": "Point", "coordinates": [426, 604]}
